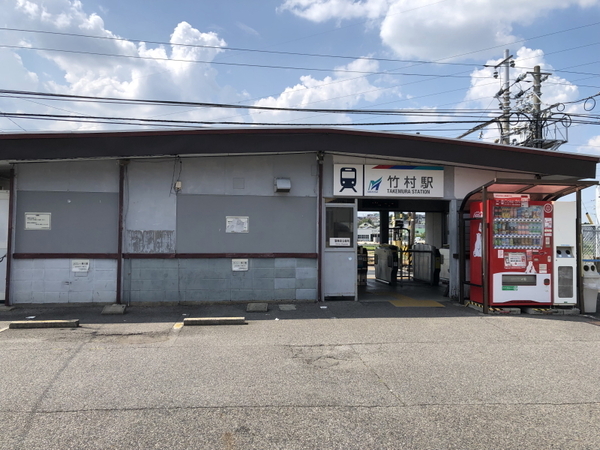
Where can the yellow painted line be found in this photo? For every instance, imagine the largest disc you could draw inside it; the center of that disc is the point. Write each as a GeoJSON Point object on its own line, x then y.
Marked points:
{"type": "Point", "coordinates": [178, 325]}
{"type": "Point", "coordinates": [407, 302]}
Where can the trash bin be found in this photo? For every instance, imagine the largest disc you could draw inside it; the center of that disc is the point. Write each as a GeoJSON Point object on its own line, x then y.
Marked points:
{"type": "Point", "coordinates": [591, 285]}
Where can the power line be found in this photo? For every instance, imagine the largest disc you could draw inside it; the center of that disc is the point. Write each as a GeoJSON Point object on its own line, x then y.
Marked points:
{"type": "Point", "coordinates": [260, 66]}
{"type": "Point", "coordinates": [238, 49]}
{"type": "Point", "coordinates": [465, 116]}
{"type": "Point", "coordinates": [315, 55]}
{"type": "Point", "coordinates": [131, 120]}
{"type": "Point", "coordinates": [115, 100]}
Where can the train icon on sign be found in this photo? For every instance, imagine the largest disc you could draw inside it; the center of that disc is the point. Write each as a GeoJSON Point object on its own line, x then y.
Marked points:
{"type": "Point", "coordinates": [348, 178]}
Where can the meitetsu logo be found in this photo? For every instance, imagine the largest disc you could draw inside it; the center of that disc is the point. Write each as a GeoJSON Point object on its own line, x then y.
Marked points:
{"type": "Point", "coordinates": [374, 185]}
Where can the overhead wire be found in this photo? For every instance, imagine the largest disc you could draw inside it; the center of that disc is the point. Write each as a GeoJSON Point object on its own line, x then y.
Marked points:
{"type": "Point", "coordinates": [365, 73]}
{"type": "Point", "coordinates": [194, 61]}
{"type": "Point", "coordinates": [116, 100]}
{"type": "Point", "coordinates": [131, 120]}
{"type": "Point", "coordinates": [316, 55]}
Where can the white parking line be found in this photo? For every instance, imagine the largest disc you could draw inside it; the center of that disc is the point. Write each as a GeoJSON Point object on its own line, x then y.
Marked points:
{"type": "Point", "coordinates": [3, 329]}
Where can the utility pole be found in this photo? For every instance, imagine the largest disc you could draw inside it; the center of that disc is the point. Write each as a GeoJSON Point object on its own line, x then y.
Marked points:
{"type": "Point", "coordinates": [506, 104]}
{"type": "Point", "coordinates": [536, 138]}
{"type": "Point", "coordinates": [504, 121]}
{"type": "Point", "coordinates": [536, 132]}
{"type": "Point", "coordinates": [537, 103]}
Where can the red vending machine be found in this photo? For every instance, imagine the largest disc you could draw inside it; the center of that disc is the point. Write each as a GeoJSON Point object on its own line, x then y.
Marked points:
{"type": "Point", "coordinates": [519, 251]}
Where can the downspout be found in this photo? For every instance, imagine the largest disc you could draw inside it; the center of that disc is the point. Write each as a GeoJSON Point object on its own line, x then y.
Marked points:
{"type": "Point", "coordinates": [484, 253]}
{"type": "Point", "coordinates": [11, 200]}
{"type": "Point", "coordinates": [122, 166]}
{"type": "Point", "coordinates": [579, 247]}
{"type": "Point", "coordinates": [462, 269]}
{"type": "Point", "coordinates": [320, 157]}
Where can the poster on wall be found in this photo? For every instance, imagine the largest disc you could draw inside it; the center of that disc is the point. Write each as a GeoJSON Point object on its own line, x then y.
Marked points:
{"type": "Point", "coordinates": [340, 242]}
{"type": "Point", "coordinates": [239, 265]}
{"type": "Point", "coordinates": [236, 224]}
{"type": "Point", "coordinates": [37, 221]}
{"type": "Point", "coordinates": [80, 265]}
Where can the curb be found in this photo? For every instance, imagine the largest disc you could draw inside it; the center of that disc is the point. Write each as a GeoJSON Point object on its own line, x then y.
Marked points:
{"type": "Point", "coordinates": [214, 321]}
{"type": "Point", "coordinates": [22, 324]}
{"type": "Point", "coordinates": [494, 310]}
{"type": "Point", "coordinates": [113, 309]}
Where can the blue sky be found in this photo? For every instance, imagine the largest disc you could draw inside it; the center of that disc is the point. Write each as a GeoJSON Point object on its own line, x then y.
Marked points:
{"type": "Point", "coordinates": [414, 55]}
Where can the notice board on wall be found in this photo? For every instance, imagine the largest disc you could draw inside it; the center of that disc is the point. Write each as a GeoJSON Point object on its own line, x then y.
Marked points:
{"type": "Point", "coordinates": [246, 224]}
{"type": "Point", "coordinates": [66, 222]}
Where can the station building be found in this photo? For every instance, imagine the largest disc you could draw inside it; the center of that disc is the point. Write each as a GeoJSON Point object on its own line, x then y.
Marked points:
{"type": "Point", "coordinates": [234, 215]}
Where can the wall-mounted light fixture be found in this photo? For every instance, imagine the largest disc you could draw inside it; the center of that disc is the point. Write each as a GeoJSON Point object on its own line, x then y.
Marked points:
{"type": "Point", "coordinates": [282, 184]}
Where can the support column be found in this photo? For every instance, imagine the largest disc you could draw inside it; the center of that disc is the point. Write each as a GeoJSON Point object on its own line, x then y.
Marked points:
{"type": "Point", "coordinates": [384, 227]}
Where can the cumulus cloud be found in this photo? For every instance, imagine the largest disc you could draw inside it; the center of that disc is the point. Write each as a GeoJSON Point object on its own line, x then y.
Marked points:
{"type": "Point", "coordinates": [323, 10]}
{"type": "Point", "coordinates": [437, 29]}
{"type": "Point", "coordinates": [140, 70]}
{"type": "Point", "coordinates": [592, 147]}
{"type": "Point", "coordinates": [343, 90]}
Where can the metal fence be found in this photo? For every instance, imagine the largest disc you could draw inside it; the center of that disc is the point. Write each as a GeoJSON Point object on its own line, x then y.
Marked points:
{"type": "Point", "coordinates": [590, 241]}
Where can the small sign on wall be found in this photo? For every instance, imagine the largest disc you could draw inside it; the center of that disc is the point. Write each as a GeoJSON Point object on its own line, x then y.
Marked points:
{"type": "Point", "coordinates": [37, 221]}
{"type": "Point", "coordinates": [80, 265]}
{"type": "Point", "coordinates": [239, 265]}
{"type": "Point", "coordinates": [340, 242]}
{"type": "Point", "coordinates": [236, 224]}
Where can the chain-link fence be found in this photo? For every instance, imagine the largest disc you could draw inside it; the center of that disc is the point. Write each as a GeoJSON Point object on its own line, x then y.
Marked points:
{"type": "Point", "coordinates": [590, 240]}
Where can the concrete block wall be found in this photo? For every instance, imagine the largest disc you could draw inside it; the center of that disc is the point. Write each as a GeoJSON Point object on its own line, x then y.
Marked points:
{"type": "Point", "coordinates": [52, 281]}
{"type": "Point", "coordinates": [212, 280]}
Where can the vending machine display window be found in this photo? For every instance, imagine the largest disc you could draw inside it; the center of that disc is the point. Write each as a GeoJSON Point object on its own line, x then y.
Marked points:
{"type": "Point", "coordinates": [518, 227]}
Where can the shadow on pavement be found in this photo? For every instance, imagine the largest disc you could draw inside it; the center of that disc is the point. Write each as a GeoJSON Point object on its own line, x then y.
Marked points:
{"type": "Point", "coordinates": [91, 314]}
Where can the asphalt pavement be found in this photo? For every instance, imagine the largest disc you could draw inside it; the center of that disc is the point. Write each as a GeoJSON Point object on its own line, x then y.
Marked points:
{"type": "Point", "coordinates": [333, 375]}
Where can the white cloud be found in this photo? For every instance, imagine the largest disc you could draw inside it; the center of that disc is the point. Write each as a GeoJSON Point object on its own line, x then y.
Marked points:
{"type": "Point", "coordinates": [437, 29]}
{"type": "Point", "coordinates": [592, 147]}
{"type": "Point", "coordinates": [323, 10]}
{"type": "Point", "coordinates": [247, 29]}
{"type": "Point", "coordinates": [13, 75]}
{"type": "Point", "coordinates": [142, 71]}
{"type": "Point", "coordinates": [342, 91]}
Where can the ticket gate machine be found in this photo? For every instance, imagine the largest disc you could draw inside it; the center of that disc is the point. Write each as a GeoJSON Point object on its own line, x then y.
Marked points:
{"type": "Point", "coordinates": [386, 263]}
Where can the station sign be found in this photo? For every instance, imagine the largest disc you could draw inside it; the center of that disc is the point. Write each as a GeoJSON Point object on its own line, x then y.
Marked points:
{"type": "Point", "coordinates": [354, 180]}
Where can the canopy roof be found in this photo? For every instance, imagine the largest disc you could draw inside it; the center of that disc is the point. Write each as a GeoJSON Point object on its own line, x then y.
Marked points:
{"type": "Point", "coordinates": [538, 190]}
{"type": "Point", "coordinates": [407, 147]}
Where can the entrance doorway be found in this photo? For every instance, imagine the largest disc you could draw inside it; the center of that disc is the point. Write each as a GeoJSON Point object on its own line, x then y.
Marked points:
{"type": "Point", "coordinates": [410, 236]}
